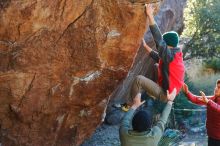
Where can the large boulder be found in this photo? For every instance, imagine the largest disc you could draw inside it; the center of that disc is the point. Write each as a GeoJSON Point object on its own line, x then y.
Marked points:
{"type": "Point", "coordinates": [60, 60]}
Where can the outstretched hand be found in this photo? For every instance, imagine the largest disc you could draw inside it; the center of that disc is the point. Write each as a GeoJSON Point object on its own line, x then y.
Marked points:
{"type": "Point", "coordinates": [185, 88]}
{"type": "Point", "coordinates": [171, 96]}
{"type": "Point", "coordinates": [204, 98]}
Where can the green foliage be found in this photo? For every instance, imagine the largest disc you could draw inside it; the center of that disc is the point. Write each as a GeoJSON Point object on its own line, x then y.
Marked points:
{"type": "Point", "coordinates": [213, 63]}
{"type": "Point", "coordinates": [202, 26]}
{"type": "Point", "coordinates": [206, 83]}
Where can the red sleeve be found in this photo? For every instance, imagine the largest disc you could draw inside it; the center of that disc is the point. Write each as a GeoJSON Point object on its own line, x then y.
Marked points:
{"type": "Point", "coordinates": [211, 97]}
{"type": "Point", "coordinates": [195, 99]}
{"type": "Point", "coordinates": [214, 106]}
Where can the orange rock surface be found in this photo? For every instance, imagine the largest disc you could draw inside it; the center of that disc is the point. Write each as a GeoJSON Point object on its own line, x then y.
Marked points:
{"type": "Point", "coordinates": [60, 60]}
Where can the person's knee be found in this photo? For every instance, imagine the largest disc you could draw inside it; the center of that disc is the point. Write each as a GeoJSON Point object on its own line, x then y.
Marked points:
{"type": "Point", "coordinates": [139, 77]}
{"type": "Point", "coordinates": [138, 80]}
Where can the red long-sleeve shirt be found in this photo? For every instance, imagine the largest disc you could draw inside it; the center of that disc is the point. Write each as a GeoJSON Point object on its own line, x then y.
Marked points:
{"type": "Point", "coordinates": [171, 67]}
{"type": "Point", "coordinates": [213, 114]}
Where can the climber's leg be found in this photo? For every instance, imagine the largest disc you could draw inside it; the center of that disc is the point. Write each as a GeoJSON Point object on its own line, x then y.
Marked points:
{"type": "Point", "coordinates": [153, 89]}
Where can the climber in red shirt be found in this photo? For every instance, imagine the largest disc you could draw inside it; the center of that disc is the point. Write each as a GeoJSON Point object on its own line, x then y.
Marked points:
{"type": "Point", "coordinates": [213, 112]}
{"type": "Point", "coordinates": [170, 58]}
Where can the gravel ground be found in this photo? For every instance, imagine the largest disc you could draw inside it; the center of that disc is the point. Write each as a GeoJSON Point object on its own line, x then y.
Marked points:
{"type": "Point", "coordinates": [105, 135]}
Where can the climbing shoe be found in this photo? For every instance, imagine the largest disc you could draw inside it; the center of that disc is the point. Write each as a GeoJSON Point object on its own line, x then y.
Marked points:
{"type": "Point", "coordinates": [125, 107]}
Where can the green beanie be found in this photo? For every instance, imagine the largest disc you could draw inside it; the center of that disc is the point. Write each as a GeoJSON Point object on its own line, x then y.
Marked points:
{"type": "Point", "coordinates": [171, 38]}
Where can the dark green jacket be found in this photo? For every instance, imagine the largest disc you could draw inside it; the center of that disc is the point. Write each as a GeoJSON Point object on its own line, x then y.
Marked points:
{"type": "Point", "coordinates": [151, 137]}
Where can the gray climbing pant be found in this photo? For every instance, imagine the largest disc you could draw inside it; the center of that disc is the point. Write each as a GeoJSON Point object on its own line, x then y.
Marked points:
{"type": "Point", "coordinates": [142, 83]}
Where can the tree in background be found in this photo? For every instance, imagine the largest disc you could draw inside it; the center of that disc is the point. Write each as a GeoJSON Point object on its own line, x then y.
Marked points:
{"type": "Point", "coordinates": [213, 63]}
{"type": "Point", "coordinates": [202, 29]}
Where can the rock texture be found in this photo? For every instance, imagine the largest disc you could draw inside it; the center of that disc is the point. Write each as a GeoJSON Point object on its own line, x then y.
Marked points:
{"type": "Point", "coordinates": [59, 62]}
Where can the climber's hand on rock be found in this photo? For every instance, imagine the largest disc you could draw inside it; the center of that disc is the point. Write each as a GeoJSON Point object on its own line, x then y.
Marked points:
{"type": "Point", "coordinates": [149, 10]}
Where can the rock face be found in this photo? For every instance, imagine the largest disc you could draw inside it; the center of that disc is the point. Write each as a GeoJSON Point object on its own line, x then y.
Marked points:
{"type": "Point", "coordinates": [60, 60]}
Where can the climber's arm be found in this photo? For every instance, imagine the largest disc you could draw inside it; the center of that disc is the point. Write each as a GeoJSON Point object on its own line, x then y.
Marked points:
{"type": "Point", "coordinates": [153, 54]}
{"type": "Point", "coordinates": [153, 26]}
{"type": "Point", "coordinates": [164, 53]}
